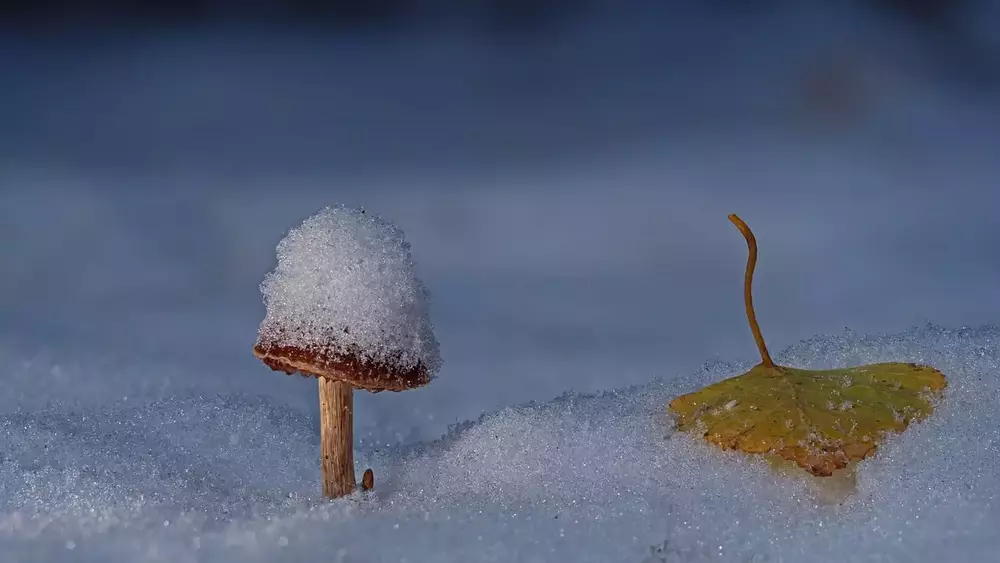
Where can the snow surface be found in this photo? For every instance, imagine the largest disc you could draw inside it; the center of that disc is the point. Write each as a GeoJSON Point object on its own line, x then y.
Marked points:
{"type": "Point", "coordinates": [580, 478]}
{"type": "Point", "coordinates": [346, 278]}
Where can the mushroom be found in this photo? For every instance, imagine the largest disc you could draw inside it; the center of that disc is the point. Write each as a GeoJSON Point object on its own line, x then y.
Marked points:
{"type": "Point", "coordinates": [344, 305]}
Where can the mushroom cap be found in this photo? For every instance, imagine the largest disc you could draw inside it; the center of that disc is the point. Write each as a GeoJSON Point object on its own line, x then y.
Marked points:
{"type": "Point", "coordinates": [345, 302]}
{"type": "Point", "coordinates": [351, 368]}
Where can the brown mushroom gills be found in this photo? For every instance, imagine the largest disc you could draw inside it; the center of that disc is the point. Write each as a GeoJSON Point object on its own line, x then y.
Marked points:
{"type": "Point", "coordinates": [361, 374]}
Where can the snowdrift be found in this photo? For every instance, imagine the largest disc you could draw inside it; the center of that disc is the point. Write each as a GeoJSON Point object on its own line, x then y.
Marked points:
{"type": "Point", "coordinates": [581, 478]}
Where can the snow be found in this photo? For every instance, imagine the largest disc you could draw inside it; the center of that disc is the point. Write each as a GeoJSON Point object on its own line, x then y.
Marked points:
{"type": "Point", "coordinates": [567, 204]}
{"type": "Point", "coordinates": [583, 477]}
{"type": "Point", "coordinates": [346, 279]}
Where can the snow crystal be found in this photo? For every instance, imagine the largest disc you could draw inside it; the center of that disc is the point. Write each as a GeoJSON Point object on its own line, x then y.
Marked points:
{"type": "Point", "coordinates": [582, 478]}
{"type": "Point", "coordinates": [346, 276]}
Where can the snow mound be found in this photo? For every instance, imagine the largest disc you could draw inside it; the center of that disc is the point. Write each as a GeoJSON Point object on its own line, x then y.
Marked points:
{"type": "Point", "coordinates": [346, 276]}
{"type": "Point", "coordinates": [581, 478]}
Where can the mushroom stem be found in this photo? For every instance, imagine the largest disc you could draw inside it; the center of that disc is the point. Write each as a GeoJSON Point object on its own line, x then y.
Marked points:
{"type": "Point", "coordinates": [747, 286]}
{"type": "Point", "coordinates": [336, 435]}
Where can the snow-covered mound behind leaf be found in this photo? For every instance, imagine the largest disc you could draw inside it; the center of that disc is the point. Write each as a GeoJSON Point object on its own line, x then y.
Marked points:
{"type": "Point", "coordinates": [581, 478]}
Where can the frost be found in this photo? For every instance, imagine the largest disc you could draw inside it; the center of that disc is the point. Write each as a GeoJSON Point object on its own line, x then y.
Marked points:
{"type": "Point", "coordinates": [583, 478]}
{"type": "Point", "coordinates": [346, 276]}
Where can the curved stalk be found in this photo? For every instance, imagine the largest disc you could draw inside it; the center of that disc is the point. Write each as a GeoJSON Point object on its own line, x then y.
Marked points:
{"type": "Point", "coordinates": [747, 284]}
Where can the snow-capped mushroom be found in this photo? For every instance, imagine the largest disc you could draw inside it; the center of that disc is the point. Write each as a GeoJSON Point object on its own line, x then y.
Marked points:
{"type": "Point", "coordinates": [344, 305]}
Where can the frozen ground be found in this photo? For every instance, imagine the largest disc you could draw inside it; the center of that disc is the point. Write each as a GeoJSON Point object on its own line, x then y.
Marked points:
{"type": "Point", "coordinates": [567, 211]}
{"type": "Point", "coordinates": [582, 478]}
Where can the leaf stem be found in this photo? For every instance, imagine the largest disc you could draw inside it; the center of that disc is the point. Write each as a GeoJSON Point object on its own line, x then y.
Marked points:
{"type": "Point", "coordinates": [747, 284]}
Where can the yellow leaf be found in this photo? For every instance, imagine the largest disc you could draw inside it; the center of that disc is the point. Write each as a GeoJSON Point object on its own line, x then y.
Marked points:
{"type": "Point", "coordinates": [821, 420]}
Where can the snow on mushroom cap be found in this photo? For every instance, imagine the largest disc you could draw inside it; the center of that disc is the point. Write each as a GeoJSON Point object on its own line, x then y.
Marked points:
{"type": "Point", "coordinates": [346, 279]}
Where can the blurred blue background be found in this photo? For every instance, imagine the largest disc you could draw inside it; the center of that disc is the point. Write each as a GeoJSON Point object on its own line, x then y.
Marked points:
{"type": "Point", "coordinates": [563, 170]}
